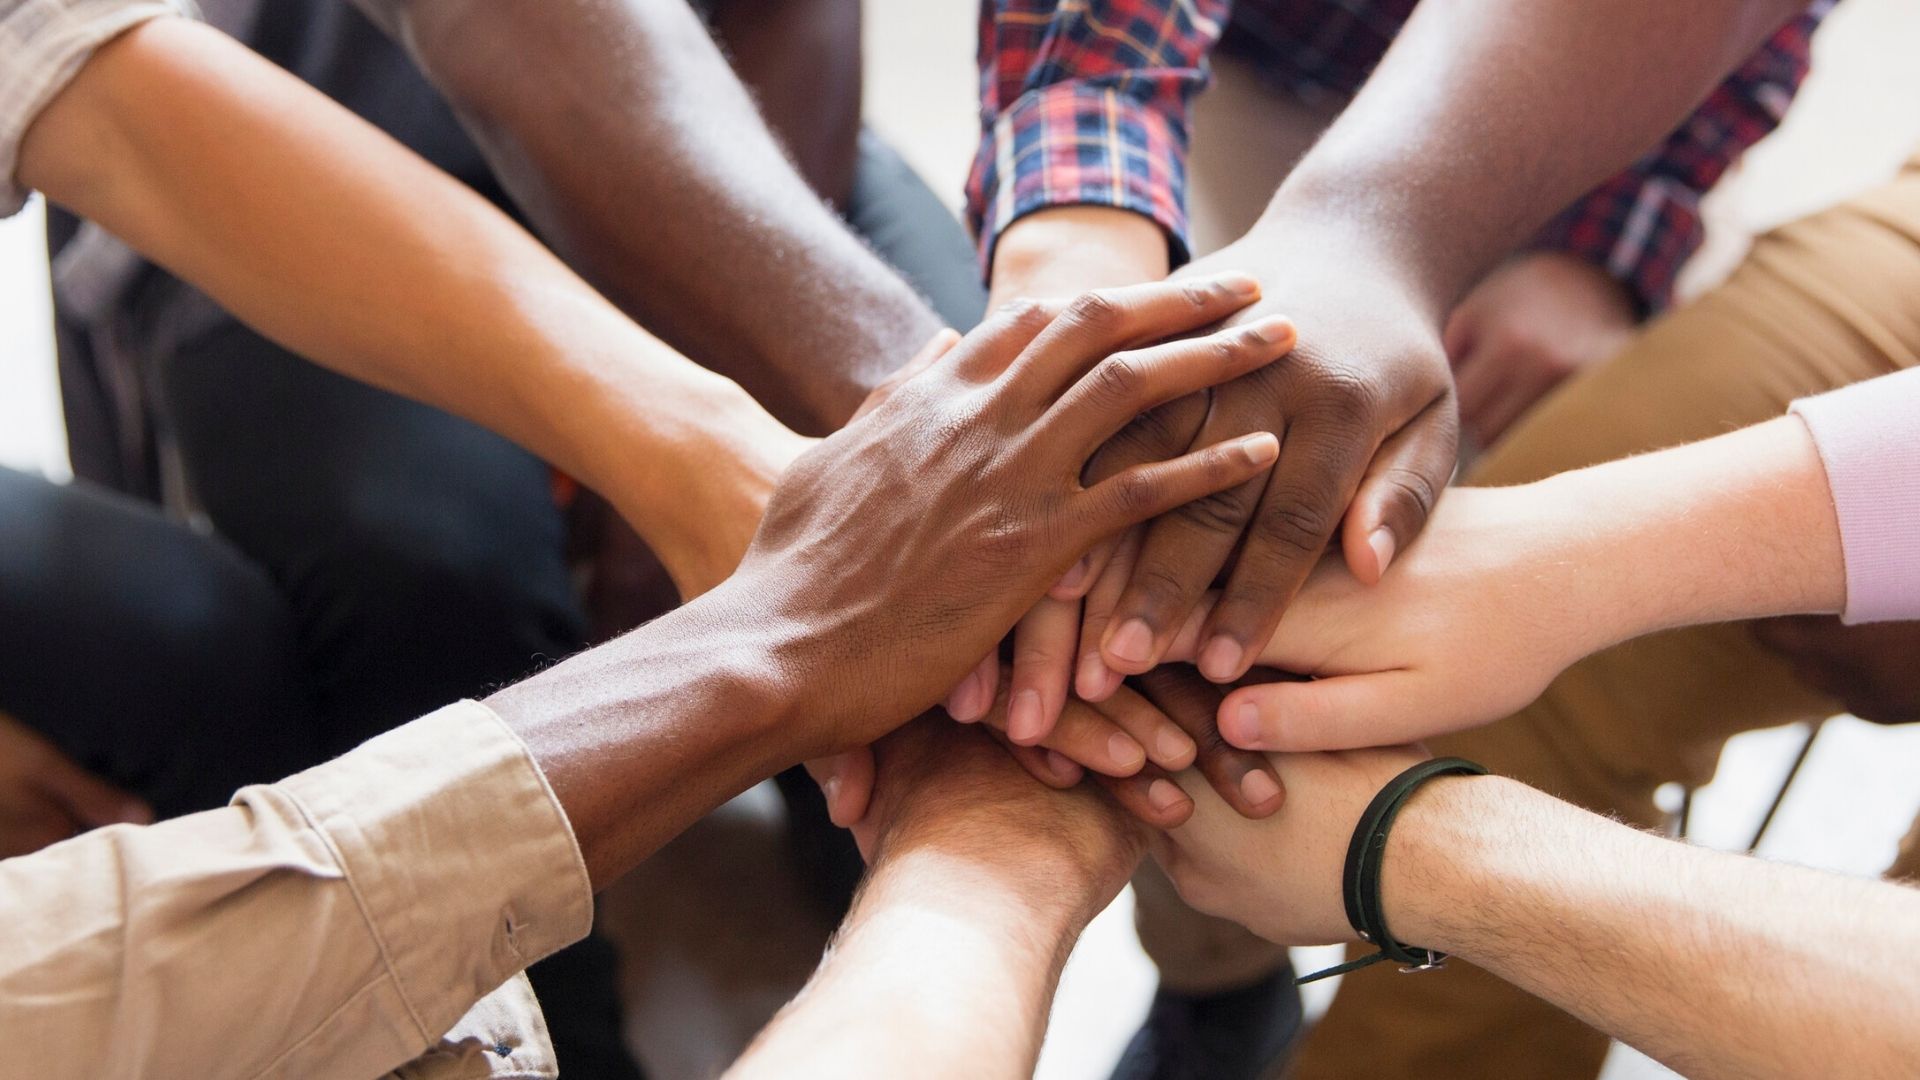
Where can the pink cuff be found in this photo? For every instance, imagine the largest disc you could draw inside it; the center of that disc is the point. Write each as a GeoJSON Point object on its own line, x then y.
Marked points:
{"type": "Point", "coordinates": [1868, 435]}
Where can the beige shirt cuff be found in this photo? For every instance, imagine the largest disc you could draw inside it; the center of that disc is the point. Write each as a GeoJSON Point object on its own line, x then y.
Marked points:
{"type": "Point", "coordinates": [459, 854]}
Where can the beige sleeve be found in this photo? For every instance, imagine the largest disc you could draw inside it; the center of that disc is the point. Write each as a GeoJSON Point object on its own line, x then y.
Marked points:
{"type": "Point", "coordinates": [340, 922]}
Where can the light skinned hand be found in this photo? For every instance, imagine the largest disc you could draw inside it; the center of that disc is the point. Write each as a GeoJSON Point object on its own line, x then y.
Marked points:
{"type": "Point", "coordinates": [1280, 876]}
{"type": "Point", "coordinates": [46, 797]}
{"type": "Point", "coordinates": [946, 787]}
{"type": "Point", "coordinates": [1460, 634]}
{"type": "Point", "coordinates": [1526, 328]}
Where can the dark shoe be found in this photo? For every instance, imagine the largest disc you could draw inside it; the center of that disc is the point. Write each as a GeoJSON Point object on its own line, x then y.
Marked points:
{"type": "Point", "coordinates": [1243, 1034]}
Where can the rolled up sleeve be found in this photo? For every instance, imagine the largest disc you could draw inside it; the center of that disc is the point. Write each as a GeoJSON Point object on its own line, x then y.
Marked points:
{"type": "Point", "coordinates": [1868, 436]}
{"type": "Point", "coordinates": [365, 915]}
{"type": "Point", "coordinates": [1087, 104]}
{"type": "Point", "coordinates": [43, 45]}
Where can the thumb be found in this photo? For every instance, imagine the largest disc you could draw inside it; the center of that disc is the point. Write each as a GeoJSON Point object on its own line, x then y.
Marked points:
{"type": "Point", "coordinates": [847, 782]}
{"type": "Point", "coordinates": [1346, 712]}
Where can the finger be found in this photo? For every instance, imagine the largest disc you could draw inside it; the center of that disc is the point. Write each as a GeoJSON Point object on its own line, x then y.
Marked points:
{"type": "Point", "coordinates": [1151, 796]}
{"type": "Point", "coordinates": [1126, 384]}
{"type": "Point", "coordinates": [88, 799]}
{"type": "Point", "coordinates": [1167, 745]}
{"type": "Point", "coordinates": [985, 354]}
{"type": "Point", "coordinates": [1093, 680]}
{"type": "Point", "coordinates": [1246, 781]}
{"type": "Point", "coordinates": [1044, 642]}
{"type": "Point", "coordinates": [1307, 495]}
{"type": "Point", "coordinates": [974, 696]}
{"type": "Point", "coordinates": [1088, 739]}
{"type": "Point", "coordinates": [1182, 554]}
{"type": "Point", "coordinates": [1046, 766]}
{"type": "Point", "coordinates": [1105, 321]}
{"type": "Point", "coordinates": [1147, 491]}
{"type": "Point", "coordinates": [846, 781]}
{"type": "Point", "coordinates": [935, 348]}
{"type": "Point", "coordinates": [1345, 712]}
{"type": "Point", "coordinates": [1402, 484]}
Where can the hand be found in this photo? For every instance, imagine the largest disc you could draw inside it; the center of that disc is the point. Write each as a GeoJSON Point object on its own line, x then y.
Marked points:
{"type": "Point", "coordinates": [946, 788]}
{"type": "Point", "coordinates": [1280, 877]}
{"type": "Point", "coordinates": [937, 518]}
{"type": "Point", "coordinates": [1533, 322]}
{"type": "Point", "coordinates": [1473, 624]}
{"type": "Point", "coordinates": [45, 797]}
{"type": "Point", "coordinates": [1364, 410]}
{"type": "Point", "coordinates": [1870, 669]}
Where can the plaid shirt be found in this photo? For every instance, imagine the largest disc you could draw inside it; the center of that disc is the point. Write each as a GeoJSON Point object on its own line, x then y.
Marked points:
{"type": "Point", "coordinates": [1086, 102]}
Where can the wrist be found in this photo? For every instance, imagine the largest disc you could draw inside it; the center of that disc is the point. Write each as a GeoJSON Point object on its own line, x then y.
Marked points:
{"type": "Point", "coordinates": [1070, 249]}
{"type": "Point", "coordinates": [1736, 527]}
{"type": "Point", "coordinates": [1442, 854]}
{"type": "Point", "coordinates": [691, 466]}
{"type": "Point", "coordinates": [991, 901]}
{"type": "Point", "coordinates": [1309, 215]}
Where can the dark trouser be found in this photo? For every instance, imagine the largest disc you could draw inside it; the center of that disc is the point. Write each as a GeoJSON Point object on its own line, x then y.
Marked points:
{"type": "Point", "coordinates": [161, 659]}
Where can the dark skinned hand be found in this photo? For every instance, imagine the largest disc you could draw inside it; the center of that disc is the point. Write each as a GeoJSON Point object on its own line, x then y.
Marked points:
{"type": "Point", "coordinates": [966, 482]}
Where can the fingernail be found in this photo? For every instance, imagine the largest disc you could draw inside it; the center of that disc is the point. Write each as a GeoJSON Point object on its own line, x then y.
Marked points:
{"type": "Point", "coordinates": [1061, 765]}
{"type": "Point", "coordinates": [966, 705]}
{"type": "Point", "coordinates": [1258, 787]}
{"type": "Point", "coordinates": [1220, 660]}
{"type": "Point", "coordinates": [135, 812]}
{"type": "Point", "coordinates": [1071, 580]}
{"type": "Point", "coordinates": [830, 789]}
{"type": "Point", "coordinates": [1261, 448]}
{"type": "Point", "coordinates": [1245, 727]}
{"type": "Point", "coordinates": [1174, 749]}
{"type": "Point", "coordinates": [1273, 329]}
{"type": "Point", "coordinates": [1086, 682]}
{"type": "Point", "coordinates": [1240, 284]}
{"type": "Point", "coordinates": [1165, 795]}
{"type": "Point", "coordinates": [1382, 543]}
{"type": "Point", "coordinates": [1125, 752]}
{"type": "Point", "coordinates": [1133, 642]}
{"type": "Point", "coordinates": [1025, 718]}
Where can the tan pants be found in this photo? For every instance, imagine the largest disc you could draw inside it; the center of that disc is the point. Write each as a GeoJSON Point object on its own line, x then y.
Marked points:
{"type": "Point", "coordinates": [1821, 303]}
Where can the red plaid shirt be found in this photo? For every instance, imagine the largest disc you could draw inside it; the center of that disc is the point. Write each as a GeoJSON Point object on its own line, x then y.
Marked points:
{"type": "Point", "coordinates": [1086, 102]}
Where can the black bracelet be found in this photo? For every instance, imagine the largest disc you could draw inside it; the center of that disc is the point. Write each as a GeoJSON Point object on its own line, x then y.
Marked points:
{"type": "Point", "coordinates": [1360, 885]}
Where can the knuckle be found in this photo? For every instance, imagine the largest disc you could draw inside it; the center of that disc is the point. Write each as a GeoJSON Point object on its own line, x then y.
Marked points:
{"type": "Point", "coordinates": [1197, 295]}
{"type": "Point", "coordinates": [1097, 310]}
{"type": "Point", "coordinates": [1341, 396]}
{"type": "Point", "coordinates": [1157, 588]}
{"type": "Point", "coordinates": [1411, 488]}
{"type": "Point", "coordinates": [1224, 513]}
{"type": "Point", "coordinates": [1137, 493]}
{"type": "Point", "coordinates": [1297, 525]}
{"type": "Point", "coordinates": [1026, 313]}
{"type": "Point", "coordinates": [1119, 378]}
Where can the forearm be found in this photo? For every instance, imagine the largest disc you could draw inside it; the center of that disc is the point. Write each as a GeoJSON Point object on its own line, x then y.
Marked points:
{"type": "Point", "coordinates": [940, 970]}
{"type": "Point", "coordinates": [1734, 527]}
{"type": "Point", "coordinates": [343, 246]}
{"type": "Point", "coordinates": [1454, 153]}
{"type": "Point", "coordinates": [644, 735]}
{"type": "Point", "coordinates": [619, 128]}
{"type": "Point", "coordinates": [1718, 965]}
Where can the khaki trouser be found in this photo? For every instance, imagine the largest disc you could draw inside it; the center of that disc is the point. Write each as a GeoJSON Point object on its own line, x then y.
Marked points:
{"type": "Point", "coordinates": [1826, 301]}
